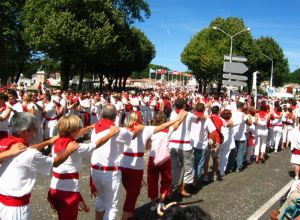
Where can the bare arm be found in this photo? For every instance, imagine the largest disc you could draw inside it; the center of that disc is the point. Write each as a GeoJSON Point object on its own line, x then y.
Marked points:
{"type": "Point", "coordinates": [112, 131]}
{"type": "Point", "coordinates": [163, 126]}
{"type": "Point", "coordinates": [14, 150]}
{"type": "Point", "coordinates": [5, 114]}
{"type": "Point", "coordinates": [59, 159]}
{"type": "Point", "coordinates": [43, 144]}
{"type": "Point", "coordinates": [83, 131]}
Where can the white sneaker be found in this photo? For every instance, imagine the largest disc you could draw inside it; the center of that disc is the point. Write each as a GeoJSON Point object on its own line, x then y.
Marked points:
{"type": "Point", "coordinates": [296, 177]}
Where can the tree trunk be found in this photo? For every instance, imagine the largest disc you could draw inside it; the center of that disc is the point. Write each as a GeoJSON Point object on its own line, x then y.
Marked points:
{"type": "Point", "coordinates": [65, 73]}
{"type": "Point", "coordinates": [81, 77]}
{"type": "Point", "coordinates": [120, 82]}
{"type": "Point", "coordinates": [200, 85]}
{"type": "Point", "coordinates": [110, 81]}
{"type": "Point", "coordinates": [124, 81]}
{"type": "Point", "coordinates": [204, 87]}
{"type": "Point", "coordinates": [116, 82]}
{"type": "Point", "coordinates": [20, 70]}
{"type": "Point", "coordinates": [101, 81]}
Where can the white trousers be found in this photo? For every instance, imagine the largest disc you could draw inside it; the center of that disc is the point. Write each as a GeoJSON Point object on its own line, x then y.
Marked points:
{"type": "Point", "coordinates": [277, 131]}
{"type": "Point", "coordinates": [223, 159]}
{"type": "Point", "coordinates": [15, 213]}
{"type": "Point", "coordinates": [107, 184]}
{"type": "Point", "coordinates": [261, 144]}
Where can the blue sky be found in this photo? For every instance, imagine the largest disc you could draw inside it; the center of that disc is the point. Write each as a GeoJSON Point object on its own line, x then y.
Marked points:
{"type": "Point", "coordinates": [174, 22]}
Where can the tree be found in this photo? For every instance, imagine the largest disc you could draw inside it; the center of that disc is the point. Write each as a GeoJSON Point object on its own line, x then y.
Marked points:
{"type": "Point", "coordinates": [14, 53]}
{"type": "Point", "coordinates": [271, 48]}
{"type": "Point", "coordinates": [74, 31]}
{"type": "Point", "coordinates": [295, 76]}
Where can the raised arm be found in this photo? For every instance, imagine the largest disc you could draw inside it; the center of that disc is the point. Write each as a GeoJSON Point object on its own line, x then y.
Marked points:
{"type": "Point", "coordinates": [40, 146]}
{"type": "Point", "coordinates": [84, 130]}
{"type": "Point", "coordinates": [60, 158]}
{"type": "Point", "coordinates": [112, 131]}
{"type": "Point", "coordinates": [5, 114]}
{"type": "Point", "coordinates": [163, 126]}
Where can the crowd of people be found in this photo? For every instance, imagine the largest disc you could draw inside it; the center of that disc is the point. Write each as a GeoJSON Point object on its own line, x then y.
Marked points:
{"type": "Point", "coordinates": [121, 127]}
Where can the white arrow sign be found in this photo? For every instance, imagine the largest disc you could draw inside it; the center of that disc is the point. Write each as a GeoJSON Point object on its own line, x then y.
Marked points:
{"type": "Point", "coordinates": [233, 83]}
{"type": "Point", "coordinates": [237, 77]}
{"type": "Point", "coordinates": [230, 67]}
{"type": "Point", "coordinates": [236, 58]}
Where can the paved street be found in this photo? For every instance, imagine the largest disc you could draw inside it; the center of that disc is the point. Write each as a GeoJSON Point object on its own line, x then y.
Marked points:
{"type": "Point", "coordinates": [236, 197]}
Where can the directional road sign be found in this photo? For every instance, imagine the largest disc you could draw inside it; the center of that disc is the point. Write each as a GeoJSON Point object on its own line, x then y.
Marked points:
{"type": "Point", "coordinates": [235, 58]}
{"type": "Point", "coordinates": [237, 77]}
{"type": "Point", "coordinates": [233, 83]}
{"type": "Point", "coordinates": [230, 67]}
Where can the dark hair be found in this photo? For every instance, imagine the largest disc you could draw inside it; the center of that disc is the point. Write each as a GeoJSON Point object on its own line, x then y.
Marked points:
{"type": "Point", "coordinates": [3, 96]}
{"type": "Point", "coordinates": [215, 109]}
{"type": "Point", "coordinates": [276, 104]}
{"type": "Point", "coordinates": [159, 118]}
{"type": "Point", "coordinates": [12, 92]}
{"type": "Point", "coordinates": [186, 213]}
{"type": "Point", "coordinates": [226, 114]}
{"type": "Point", "coordinates": [239, 105]}
{"type": "Point", "coordinates": [279, 109]}
{"type": "Point", "coordinates": [180, 103]}
{"type": "Point", "coordinates": [263, 107]}
{"type": "Point", "coordinates": [200, 107]}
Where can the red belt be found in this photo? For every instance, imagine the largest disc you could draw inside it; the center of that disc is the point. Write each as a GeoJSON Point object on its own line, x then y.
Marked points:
{"type": "Point", "coordinates": [66, 176]}
{"type": "Point", "coordinates": [280, 125]}
{"type": "Point", "coordinates": [93, 113]}
{"type": "Point", "coordinates": [133, 154]}
{"type": "Point", "coordinates": [295, 151]}
{"type": "Point", "coordinates": [15, 201]}
{"type": "Point", "coordinates": [105, 168]}
{"type": "Point", "coordinates": [51, 119]}
{"type": "Point", "coordinates": [179, 142]}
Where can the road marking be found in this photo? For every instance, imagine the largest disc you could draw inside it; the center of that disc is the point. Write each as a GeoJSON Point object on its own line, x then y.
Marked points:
{"type": "Point", "coordinates": [258, 213]}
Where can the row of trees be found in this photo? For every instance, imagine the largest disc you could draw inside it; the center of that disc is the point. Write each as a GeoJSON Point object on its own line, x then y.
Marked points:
{"type": "Point", "coordinates": [83, 37]}
{"type": "Point", "coordinates": [204, 53]}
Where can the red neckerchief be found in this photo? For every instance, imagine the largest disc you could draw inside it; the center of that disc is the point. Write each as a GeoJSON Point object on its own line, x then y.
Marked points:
{"type": "Point", "coordinates": [103, 125]}
{"type": "Point", "coordinates": [198, 114]}
{"type": "Point", "coordinates": [262, 114]}
{"type": "Point", "coordinates": [25, 109]}
{"type": "Point", "coordinates": [61, 144]}
{"type": "Point", "coordinates": [6, 143]}
{"type": "Point", "coordinates": [177, 110]}
{"type": "Point", "coordinates": [165, 130]}
{"type": "Point", "coordinates": [131, 128]}
{"type": "Point", "coordinates": [128, 107]}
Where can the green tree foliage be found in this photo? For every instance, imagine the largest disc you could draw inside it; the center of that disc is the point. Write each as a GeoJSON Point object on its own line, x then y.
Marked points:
{"type": "Point", "coordinates": [295, 76]}
{"type": "Point", "coordinates": [78, 32]}
{"type": "Point", "coordinates": [271, 48]}
{"type": "Point", "coordinates": [14, 53]}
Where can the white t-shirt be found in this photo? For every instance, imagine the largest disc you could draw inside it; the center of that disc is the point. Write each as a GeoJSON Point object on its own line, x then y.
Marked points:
{"type": "Point", "coordinates": [137, 145]}
{"type": "Point", "coordinates": [199, 133]}
{"type": "Point", "coordinates": [239, 121]}
{"type": "Point", "coordinates": [157, 138]}
{"type": "Point", "coordinates": [50, 112]}
{"type": "Point", "coordinates": [72, 164]}
{"type": "Point", "coordinates": [18, 174]}
{"type": "Point", "coordinates": [180, 139]}
{"type": "Point", "coordinates": [110, 154]}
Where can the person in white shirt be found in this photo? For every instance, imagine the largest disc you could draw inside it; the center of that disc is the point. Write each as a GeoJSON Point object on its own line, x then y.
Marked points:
{"type": "Point", "coordinates": [105, 162]}
{"type": "Point", "coordinates": [132, 165]}
{"type": "Point", "coordinates": [182, 157]}
{"type": "Point", "coordinates": [14, 104]}
{"type": "Point", "coordinates": [64, 195]}
{"type": "Point", "coordinates": [4, 115]}
{"type": "Point", "coordinates": [18, 173]}
{"type": "Point", "coordinates": [199, 140]}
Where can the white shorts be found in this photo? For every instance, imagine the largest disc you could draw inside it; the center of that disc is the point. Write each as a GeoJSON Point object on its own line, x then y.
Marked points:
{"type": "Point", "coordinates": [15, 213]}
{"type": "Point", "coordinates": [295, 159]}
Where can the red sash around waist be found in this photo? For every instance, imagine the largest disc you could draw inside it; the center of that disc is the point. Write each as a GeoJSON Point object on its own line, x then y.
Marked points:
{"type": "Point", "coordinates": [129, 154]}
{"type": "Point", "coordinates": [295, 151]}
{"type": "Point", "coordinates": [15, 201]}
{"type": "Point", "coordinates": [179, 142]}
{"type": "Point", "coordinates": [66, 176]}
{"type": "Point", "coordinates": [51, 119]}
{"type": "Point", "coordinates": [105, 168]}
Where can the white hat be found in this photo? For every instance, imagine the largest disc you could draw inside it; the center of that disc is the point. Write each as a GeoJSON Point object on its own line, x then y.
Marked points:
{"type": "Point", "coordinates": [56, 99]}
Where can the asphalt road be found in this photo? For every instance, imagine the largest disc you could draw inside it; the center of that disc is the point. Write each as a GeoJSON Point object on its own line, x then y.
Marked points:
{"type": "Point", "coordinates": [236, 197]}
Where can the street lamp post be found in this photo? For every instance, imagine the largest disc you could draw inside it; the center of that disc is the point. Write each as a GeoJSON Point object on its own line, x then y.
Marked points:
{"type": "Point", "coordinates": [271, 79]}
{"type": "Point", "coordinates": [231, 39]}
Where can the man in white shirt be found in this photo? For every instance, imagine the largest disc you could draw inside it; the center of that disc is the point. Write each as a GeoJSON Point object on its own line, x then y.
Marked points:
{"type": "Point", "coordinates": [18, 173]}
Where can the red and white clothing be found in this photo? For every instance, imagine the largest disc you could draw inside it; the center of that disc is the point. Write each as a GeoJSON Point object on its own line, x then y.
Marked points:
{"type": "Point", "coordinates": [64, 195]}
{"type": "Point", "coordinates": [85, 110]}
{"type": "Point", "coordinates": [295, 145]}
{"type": "Point", "coordinates": [17, 106]}
{"type": "Point", "coordinates": [95, 111]}
{"type": "Point", "coordinates": [3, 124]}
{"type": "Point", "coordinates": [105, 171]}
{"type": "Point", "coordinates": [261, 133]}
{"type": "Point", "coordinates": [51, 118]}
{"type": "Point", "coordinates": [163, 170]}
{"type": "Point", "coordinates": [18, 176]}
{"type": "Point", "coordinates": [132, 167]}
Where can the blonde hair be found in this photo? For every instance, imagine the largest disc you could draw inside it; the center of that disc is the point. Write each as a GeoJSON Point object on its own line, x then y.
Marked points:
{"type": "Point", "coordinates": [28, 96]}
{"type": "Point", "coordinates": [132, 119]}
{"type": "Point", "coordinates": [68, 124]}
